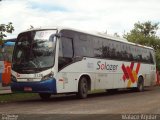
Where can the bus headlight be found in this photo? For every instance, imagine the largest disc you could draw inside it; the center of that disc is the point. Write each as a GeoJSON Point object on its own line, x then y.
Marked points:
{"type": "Point", "coordinates": [47, 77]}
{"type": "Point", "coordinates": [13, 78]}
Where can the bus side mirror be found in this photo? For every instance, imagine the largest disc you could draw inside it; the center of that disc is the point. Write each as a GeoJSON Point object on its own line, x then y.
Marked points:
{"type": "Point", "coordinates": [58, 35]}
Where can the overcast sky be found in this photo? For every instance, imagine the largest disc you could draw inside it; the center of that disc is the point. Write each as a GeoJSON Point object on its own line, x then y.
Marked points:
{"type": "Point", "coordinates": [115, 16]}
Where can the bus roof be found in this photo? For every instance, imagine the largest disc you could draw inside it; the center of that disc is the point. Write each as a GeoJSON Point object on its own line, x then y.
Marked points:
{"type": "Point", "coordinates": [91, 33]}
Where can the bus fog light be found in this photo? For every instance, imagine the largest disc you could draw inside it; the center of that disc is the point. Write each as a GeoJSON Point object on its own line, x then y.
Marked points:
{"type": "Point", "coordinates": [49, 76]}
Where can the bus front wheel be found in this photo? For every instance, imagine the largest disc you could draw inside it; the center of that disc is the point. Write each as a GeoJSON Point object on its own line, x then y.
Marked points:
{"type": "Point", "coordinates": [82, 88]}
{"type": "Point", "coordinates": [45, 96]}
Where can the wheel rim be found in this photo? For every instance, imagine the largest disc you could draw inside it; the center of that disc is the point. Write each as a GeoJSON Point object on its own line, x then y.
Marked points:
{"type": "Point", "coordinates": [140, 87]}
{"type": "Point", "coordinates": [84, 88]}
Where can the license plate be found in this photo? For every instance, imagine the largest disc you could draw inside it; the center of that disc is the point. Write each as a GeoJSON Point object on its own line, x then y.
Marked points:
{"type": "Point", "coordinates": [27, 89]}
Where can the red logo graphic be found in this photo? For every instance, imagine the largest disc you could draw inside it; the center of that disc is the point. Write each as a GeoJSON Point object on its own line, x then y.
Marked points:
{"type": "Point", "coordinates": [130, 74]}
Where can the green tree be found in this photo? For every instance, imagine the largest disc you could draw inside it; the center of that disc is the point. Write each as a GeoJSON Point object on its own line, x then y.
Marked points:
{"type": "Point", "coordinates": [158, 59]}
{"type": "Point", "coordinates": [145, 34]}
{"type": "Point", "coordinates": [4, 29]}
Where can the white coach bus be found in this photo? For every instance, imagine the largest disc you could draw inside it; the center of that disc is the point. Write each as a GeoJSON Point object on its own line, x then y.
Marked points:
{"type": "Point", "coordinates": [62, 60]}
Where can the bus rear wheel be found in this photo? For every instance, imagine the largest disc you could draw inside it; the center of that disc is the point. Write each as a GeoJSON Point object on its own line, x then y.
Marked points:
{"type": "Point", "coordinates": [82, 88]}
{"type": "Point", "coordinates": [45, 96]}
{"type": "Point", "coordinates": [140, 84]}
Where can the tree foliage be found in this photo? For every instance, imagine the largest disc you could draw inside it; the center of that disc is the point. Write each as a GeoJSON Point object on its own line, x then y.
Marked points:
{"type": "Point", "coordinates": [145, 34]}
{"type": "Point", "coordinates": [158, 59]}
{"type": "Point", "coordinates": [4, 29]}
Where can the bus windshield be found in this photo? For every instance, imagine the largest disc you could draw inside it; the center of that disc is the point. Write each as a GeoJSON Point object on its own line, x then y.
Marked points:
{"type": "Point", "coordinates": [34, 51]}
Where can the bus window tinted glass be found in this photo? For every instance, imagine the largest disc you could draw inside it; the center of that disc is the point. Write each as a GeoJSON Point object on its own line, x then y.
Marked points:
{"type": "Point", "coordinates": [67, 48]}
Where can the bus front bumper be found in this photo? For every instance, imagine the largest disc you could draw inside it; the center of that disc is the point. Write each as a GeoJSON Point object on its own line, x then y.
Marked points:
{"type": "Point", "coordinates": [46, 86]}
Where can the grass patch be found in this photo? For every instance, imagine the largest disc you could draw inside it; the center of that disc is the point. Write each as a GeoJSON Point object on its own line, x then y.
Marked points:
{"type": "Point", "coordinates": [12, 97]}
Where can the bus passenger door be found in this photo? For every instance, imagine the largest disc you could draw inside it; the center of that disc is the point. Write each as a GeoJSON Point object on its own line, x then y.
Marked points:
{"type": "Point", "coordinates": [67, 81]}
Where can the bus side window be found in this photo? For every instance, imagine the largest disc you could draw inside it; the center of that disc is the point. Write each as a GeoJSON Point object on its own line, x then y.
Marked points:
{"type": "Point", "coordinates": [65, 52]}
{"type": "Point", "coordinates": [60, 48]}
{"type": "Point", "coordinates": [67, 48]}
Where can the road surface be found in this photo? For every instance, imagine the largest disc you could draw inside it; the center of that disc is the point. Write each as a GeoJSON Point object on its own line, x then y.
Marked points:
{"type": "Point", "coordinates": [121, 102]}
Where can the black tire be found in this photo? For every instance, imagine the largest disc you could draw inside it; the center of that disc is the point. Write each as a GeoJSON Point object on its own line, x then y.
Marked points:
{"type": "Point", "coordinates": [111, 91]}
{"type": "Point", "coordinates": [45, 96]}
{"type": "Point", "coordinates": [82, 88]}
{"type": "Point", "coordinates": [140, 84]}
